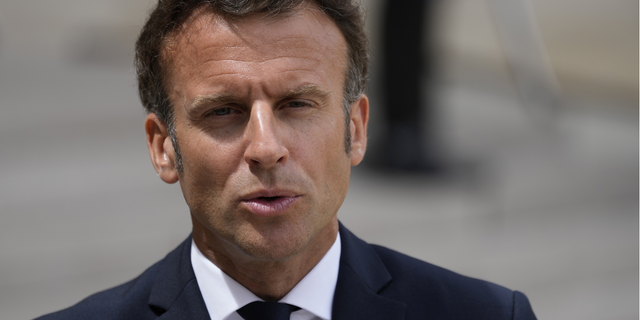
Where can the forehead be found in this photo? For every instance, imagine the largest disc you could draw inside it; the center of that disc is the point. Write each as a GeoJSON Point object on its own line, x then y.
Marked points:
{"type": "Point", "coordinates": [304, 40]}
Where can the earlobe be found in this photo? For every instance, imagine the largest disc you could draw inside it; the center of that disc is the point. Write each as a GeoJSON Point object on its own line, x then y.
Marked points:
{"type": "Point", "coordinates": [359, 121]}
{"type": "Point", "coordinates": [160, 149]}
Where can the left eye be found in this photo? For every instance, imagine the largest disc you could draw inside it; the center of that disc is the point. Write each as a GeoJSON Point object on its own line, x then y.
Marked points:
{"type": "Point", "coordinates": [297, 104]}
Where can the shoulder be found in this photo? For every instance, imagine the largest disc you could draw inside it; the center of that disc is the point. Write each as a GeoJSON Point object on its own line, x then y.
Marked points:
{"type": "Point", "coordinates": [122, 302]}
{"type": "Point", "coordinates": [136, 299]}
{"type": "Point", "coordinates": [404, 268]}
{"type": "Point", "coordinates": [423, 286]}
{"type": "Point", "coordinates": [424, 291]}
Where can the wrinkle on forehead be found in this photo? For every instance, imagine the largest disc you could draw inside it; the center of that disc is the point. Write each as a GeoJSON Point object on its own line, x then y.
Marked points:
{"type": "Point", "coordinates": [202, 17]}
{"type": "Point", "coordinates": [207, 39]}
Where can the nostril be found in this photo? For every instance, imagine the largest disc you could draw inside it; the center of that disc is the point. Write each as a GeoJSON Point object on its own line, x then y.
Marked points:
{"type": "Point", "coordinates": [266, 156]}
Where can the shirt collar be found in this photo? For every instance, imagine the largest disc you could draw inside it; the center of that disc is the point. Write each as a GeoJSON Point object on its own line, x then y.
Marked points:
{"type": "Point", "coordinates": [223, 295]}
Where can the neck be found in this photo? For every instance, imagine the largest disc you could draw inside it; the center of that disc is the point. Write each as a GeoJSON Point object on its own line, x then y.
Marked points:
{"type": "Point", "coordinates": [270, 280]}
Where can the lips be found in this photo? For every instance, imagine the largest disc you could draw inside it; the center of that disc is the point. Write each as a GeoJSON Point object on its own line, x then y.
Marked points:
{"type": "Point", "coordinates": [269, 203]}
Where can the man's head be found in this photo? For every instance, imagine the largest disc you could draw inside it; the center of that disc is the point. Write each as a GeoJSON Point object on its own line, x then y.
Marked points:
{"type": "Point", "coordinates": [256, 104]}
{"type": "Point", "coordinates": [169, 17]}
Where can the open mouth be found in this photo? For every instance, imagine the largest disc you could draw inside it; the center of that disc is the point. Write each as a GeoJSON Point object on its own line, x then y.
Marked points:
{"type": "Point", "coordinates": [269, 199]}
{"type": "Point", "coordinates": [269, 206]}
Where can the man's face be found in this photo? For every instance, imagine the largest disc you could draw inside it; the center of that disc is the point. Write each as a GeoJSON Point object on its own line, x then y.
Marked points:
{"type": "Point", "coordinates": [260, 126]}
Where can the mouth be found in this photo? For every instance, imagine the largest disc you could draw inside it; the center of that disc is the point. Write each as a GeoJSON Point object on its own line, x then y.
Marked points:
{"type": "Point", "coordinates": [269, 199]}
{"type": "Point", "coordinates": [269, 204]}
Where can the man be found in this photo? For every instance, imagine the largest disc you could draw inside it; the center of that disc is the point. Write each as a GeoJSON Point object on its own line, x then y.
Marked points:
{"type": "Point", "coordinates": [257, 109]}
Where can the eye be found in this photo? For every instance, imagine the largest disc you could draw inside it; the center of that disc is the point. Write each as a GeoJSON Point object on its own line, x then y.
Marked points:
{"type": "Point", "coordinates": [297, 104]}
{"type": "Point", "coordinates": [220, 111]}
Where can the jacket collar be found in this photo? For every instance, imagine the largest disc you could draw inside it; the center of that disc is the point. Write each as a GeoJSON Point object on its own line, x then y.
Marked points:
{"type": "Point", "coordinates": [362, 277]}
{"type": "Point", "coordinates": [175, 293]}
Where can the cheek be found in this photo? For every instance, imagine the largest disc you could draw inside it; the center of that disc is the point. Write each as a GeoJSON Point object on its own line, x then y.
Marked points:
{"type": "Point", "coordinates": [320, 156]}
{"type": "Point", "coordinates": [209, 184]}
{"type": "Point", "coordinates": [209, 168]}
{"type": "Point", "coordinates": [328, 160]}
{"type": "Point", "coordinates": [206, 155]}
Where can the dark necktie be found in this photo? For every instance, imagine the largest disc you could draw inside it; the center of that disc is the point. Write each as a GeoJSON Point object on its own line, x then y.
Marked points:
{"type": "Point", "coordinates": [260, 310]}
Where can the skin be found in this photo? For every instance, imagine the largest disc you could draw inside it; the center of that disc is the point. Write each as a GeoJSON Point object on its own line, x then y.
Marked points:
{"type": "Point", "coordinates": [258, 111]}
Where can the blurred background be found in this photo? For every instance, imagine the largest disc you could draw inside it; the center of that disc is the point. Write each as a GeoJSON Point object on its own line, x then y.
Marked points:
{"type": "Point", "coordinates": [528, 127]}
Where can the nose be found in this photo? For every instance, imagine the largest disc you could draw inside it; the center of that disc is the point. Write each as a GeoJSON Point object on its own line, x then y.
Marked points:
{"type": "Point", "coordinates": [265, 148]}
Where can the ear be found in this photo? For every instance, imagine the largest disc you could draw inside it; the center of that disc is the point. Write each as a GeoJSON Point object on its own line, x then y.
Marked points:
{"type": "Point", "coordinates": [359, 119]}
{"type": "Point", "coordinates": [160, 148]}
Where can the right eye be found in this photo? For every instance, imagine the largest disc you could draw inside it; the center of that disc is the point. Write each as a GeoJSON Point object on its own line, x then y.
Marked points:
{"type": "Point", "coordinates": [220, 111]}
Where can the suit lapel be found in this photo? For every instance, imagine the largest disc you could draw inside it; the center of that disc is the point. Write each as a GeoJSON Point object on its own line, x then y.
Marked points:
{"type": "Point", "coordinates": [361, 278]}
{"type": "Point", "coordinates": [175, 293]}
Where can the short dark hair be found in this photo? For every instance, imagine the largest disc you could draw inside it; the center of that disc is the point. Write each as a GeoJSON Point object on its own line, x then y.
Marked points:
{"type": "Point", "coordinates": [169, 16]}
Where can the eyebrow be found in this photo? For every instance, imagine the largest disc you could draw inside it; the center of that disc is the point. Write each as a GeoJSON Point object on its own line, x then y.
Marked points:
{"type": "Point", "coordinates": [309, 89]}
{"type": "Point", "coordinates": [212, 98]}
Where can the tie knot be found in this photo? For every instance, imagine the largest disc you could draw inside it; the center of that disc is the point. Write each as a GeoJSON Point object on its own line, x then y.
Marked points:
{"type": "Point", "coordinates": [261, 310]}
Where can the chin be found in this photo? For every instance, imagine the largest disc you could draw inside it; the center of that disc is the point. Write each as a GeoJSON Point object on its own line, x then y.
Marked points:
{"type": "Point", "coordinates": [273, 243]}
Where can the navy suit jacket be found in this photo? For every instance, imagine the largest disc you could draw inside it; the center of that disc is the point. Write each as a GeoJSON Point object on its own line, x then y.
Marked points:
{"type": "Point", "coordinates": [374, 283]}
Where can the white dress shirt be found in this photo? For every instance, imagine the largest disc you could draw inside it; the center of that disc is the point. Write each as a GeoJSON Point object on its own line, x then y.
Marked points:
{"type": "Point", "coordinates": [313, 294]}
